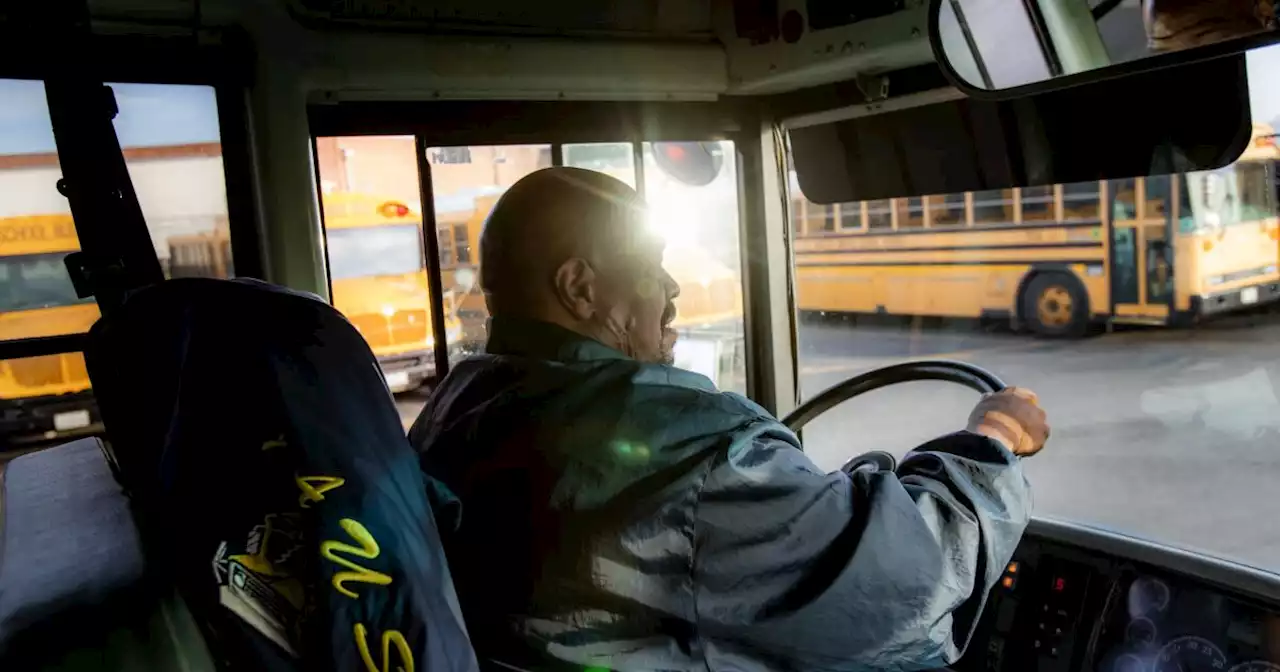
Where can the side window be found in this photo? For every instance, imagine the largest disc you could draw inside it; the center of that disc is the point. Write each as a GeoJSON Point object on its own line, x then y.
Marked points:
{"type": "Point", "coordinates": [1257, 190]}
{"type": "Point", "coordinates": [1124, 199]}
{"type": "Point", "coordinates": [993, 207]}
{"type": "Point", "coordinates": [910, 212]}
{"type": "Point", "coordinates": [1080, 201]}
{"type": "Point", "coordinates": [850, 216]}
{"type": "Point", "coordinates": [172, 148]}
{"type": "Point", "coordinates": [1156, 194]}
{"type": "Point", "coordinates": [822, 218]}
{"type": "Point", "coordinates": [879, 215]}
{"type": "Point", "coordinates": [614, 158]}
{"type": "Point", "coordinates": [946, 210]}
{"type": "Point", "coordinates": [1037, 204]}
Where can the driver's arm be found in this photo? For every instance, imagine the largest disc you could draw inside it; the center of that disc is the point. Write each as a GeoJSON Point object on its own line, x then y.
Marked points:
{"type": "Point", "coordinates": [885, 571]}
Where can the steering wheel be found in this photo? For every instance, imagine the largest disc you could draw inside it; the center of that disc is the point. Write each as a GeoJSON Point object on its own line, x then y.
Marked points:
{"type": "Point", "coordinates": [972, 377]}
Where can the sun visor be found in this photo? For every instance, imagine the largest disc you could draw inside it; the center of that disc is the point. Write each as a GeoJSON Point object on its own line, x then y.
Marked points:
{"type": "Point", "coordinates": [1180, 119]}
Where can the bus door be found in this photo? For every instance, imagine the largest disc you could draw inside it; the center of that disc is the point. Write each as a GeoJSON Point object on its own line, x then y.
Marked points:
{"type": "Point", "coordinates": [1142, 249]}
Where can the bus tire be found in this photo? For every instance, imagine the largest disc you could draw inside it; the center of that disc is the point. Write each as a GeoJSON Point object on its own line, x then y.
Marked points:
{"type": "Point", "coordinates": [1055, 305]}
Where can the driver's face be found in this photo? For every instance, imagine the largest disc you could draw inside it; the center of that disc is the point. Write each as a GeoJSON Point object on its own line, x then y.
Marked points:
{"type": "Point", "coordinates": [638, 296]}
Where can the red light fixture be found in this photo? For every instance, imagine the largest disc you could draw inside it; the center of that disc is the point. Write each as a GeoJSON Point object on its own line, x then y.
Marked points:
{"type": "Point", "coordinates": [393, 209]}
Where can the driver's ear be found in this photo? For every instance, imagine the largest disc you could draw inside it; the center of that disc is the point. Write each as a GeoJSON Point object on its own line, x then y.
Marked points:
{"type": "Point", "coordinates": [575, 288]}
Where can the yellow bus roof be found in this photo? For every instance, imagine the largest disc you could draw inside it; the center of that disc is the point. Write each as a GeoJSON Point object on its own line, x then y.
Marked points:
{"type": "Point", "coordinates": [37, 234]}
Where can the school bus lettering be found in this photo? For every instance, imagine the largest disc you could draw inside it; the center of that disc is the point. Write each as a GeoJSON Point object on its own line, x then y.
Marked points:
{"type": "Point", "coordinates": [314, 487]}
{"type": "Point", "coordinates": [389, 638]}
{"type": "Point", "coordinates": [367, 549]}
{"type": "Point", "coordinates": [21, 233]}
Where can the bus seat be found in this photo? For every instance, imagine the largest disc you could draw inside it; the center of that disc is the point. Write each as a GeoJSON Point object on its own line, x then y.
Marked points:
{"type": "Point", "coordinates": [251, 426]}
{"type": "Point", "coordinates": [74, 590]}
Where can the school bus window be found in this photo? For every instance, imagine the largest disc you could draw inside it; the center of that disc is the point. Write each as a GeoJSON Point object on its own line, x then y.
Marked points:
{"type": "Point", "coordinates": [879, 215]}
{"type": "Point", "coordinates": [993, 206]}
{"type": "Point", "coordinates": [1080, 201]}
{"type": "Point", "coordinates": [850, 216]}
{"type": "Point", "coordinates": [910, 212]}
{"type": "Point", "coordinates": [1186, 215]}
{"type": "Point", "coordinates": [32, 281]}
{"type": "Point", "coordinates": [461, 244]}
{"type": "Point", "coordinates": [821, 217]}
{"type": "Point", "coordinates": [1257, 190]}
{"type": "Point", "coordinates": [1037, 204]}
{"type": "Point", "coordinates": [1124, 199]}
{"type": "Point", "coordinates": [946, 210]}
{"type": "Point", "coordinates": [373, 252]}
{"type": "Point", "coordinates": [1156, 194]}
{"type": "Point", "coordinates": [614, 158]}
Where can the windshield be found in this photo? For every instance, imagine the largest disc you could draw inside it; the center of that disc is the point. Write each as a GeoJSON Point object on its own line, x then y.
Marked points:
{"type": "Point", "coordinates": [35, 281]}
{"type": "Point", "coordinates": [1150, 333]}
{"type": "Point", "coordinates": [374, 250]}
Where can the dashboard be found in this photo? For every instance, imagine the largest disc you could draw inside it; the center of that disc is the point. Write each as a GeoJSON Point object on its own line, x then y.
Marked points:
{"type": "Point", "coordinates": [1075, 599]}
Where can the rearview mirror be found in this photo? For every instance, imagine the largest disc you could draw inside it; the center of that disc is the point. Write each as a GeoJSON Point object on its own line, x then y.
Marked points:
{"type": "Point", "coordinates": [1036, 45]}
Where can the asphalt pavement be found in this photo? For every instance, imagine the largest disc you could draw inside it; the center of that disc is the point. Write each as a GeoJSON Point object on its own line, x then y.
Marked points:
{"type": "Point", "coordinates": [1172, 435]}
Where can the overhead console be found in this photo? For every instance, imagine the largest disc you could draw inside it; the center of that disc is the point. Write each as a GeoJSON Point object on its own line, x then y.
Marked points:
{"type": "Point", "coordinates": [794, 44]}
{"type": "Point", "coordinates": [1114, 604]}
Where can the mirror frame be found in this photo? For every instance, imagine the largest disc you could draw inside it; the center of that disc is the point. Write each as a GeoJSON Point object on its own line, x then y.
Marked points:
{"type": "Point", "coordinates": [1117, 70]}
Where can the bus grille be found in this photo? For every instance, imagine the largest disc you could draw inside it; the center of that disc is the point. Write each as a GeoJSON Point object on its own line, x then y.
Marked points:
{"type": "Point", "coordinates": [406, 327]}
{"type": "Point", "coordinates": [374, 329]}
{"type": "Point", "coordinates": [49, 370]}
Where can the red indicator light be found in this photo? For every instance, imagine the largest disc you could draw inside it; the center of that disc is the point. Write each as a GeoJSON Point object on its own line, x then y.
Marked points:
{"type": "Point", "coordinates": [1059, 584]}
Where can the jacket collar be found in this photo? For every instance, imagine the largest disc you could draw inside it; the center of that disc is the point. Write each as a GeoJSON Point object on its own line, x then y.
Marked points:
{"type": "Point", "coordinates": [542, 340]}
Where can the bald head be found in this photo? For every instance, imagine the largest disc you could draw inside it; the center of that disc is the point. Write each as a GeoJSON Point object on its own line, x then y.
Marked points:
{"type": "Point", "coordinates": [570, 246]}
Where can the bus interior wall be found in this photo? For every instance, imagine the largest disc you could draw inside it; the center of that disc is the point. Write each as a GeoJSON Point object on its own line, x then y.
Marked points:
{"type": "Point", "coordinates": [1042, 139]}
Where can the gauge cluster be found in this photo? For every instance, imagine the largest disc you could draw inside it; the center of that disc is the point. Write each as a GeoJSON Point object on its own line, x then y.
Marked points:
{"type": "Point", "coordinates": [1155, 624]}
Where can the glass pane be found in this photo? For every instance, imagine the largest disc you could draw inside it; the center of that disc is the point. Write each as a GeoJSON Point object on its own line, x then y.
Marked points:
{"type": "Point", "coordinates": [171, 144]}
{"type": "Point", "coordinates": [850, 216]}
{"type": "Point", "coordinates": [1257, 190]}
{"type": "Point", "coordinates": [173, 149]}
{"type": "Point", "coordinates": [1160, 431]}
{"type": "Point", "coordinates": [1080, 201]}
{"type": "Point", "coordinates": [1124, 200]}
{"type": "Point", "coordinates": [822, 218]}
{"type": "Point", "coordinates": [615, 158]}
{"type": "Point", "coordinates": [1037, 204]}
{"type": "Point", "coordinates": [464, 195]}
{"type": "Point", "coordinates": [879, 215]}
{"type": "Point", "coordinates": [993, 206]}
{"type": "Point", "coordinates": [910, 213]}
{"type": "Point", "coordinates": [947, 210]}
{"type": "Point", "coordinates": [374, 247]}
{"type": "Point", "coordinates": [699, 220]}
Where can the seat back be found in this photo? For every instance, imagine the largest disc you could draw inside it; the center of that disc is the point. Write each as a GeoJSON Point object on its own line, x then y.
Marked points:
{"type": "Point", "coordinates": [273, 482]}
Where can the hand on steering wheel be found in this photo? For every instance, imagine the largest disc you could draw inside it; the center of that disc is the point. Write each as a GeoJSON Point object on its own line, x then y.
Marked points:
{"type": "Point", "coordinates": [1009, 415]}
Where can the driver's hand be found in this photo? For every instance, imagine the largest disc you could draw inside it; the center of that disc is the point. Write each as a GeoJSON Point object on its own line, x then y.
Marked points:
{"type": "Point", "coordinates": [1013, 417]}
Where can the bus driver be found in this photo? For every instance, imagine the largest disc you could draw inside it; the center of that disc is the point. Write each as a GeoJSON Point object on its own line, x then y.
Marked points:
{"type": "Point", "coordinates": [620, 513]}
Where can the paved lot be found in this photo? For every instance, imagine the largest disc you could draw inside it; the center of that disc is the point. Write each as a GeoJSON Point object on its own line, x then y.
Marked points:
{"type": "Point", "coordinates": [1169, 434]}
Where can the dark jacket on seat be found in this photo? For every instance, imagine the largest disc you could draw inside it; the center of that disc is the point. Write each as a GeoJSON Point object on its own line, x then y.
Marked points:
{"type": "Point", "coordinates": [629, 516]}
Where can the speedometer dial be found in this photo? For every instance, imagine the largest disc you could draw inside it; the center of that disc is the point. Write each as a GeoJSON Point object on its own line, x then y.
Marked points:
{"type": "Point", "coordinates": [1190, 654]}
{"type": "Point", "coordinates": [1256, 666]}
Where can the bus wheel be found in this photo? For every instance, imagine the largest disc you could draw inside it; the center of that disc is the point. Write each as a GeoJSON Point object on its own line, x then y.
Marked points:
{"type": "Point", "coordinates": [1055, 305]}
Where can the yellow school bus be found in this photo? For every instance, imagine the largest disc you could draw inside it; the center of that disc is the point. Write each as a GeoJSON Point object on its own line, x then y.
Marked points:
{"type": "Point", "coordinates": [379, 282]}
{"type": "Point", "coordinates": [1153, 250]}
{"type": "Point", "coordinates": [42, 397]}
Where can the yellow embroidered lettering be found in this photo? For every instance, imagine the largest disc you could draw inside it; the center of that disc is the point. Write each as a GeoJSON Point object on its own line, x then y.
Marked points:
{"type": "Point", "coordinates": [314, 487]}
{"type": "Point", "coordinates": [274, 443]}
{"type": "Point", "coordinates": [388, 638]}
{"type": "Point", "coordinates": [368, 549]}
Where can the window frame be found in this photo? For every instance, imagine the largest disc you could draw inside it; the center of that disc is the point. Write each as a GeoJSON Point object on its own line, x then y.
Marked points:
{"type": "Point", "coordinates": [558, 123]}
{"type": "Point", "coordinates": [227, 68]}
